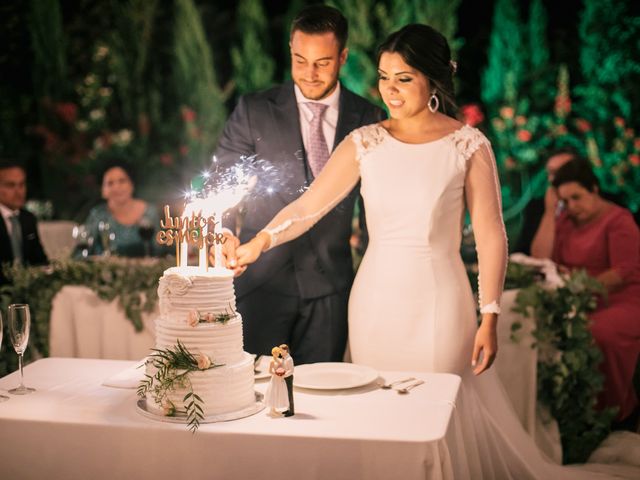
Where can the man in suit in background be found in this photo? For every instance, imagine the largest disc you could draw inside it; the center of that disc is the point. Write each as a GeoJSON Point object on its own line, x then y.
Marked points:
{"type": "Point", "coordinates": [19, 240]}
{"type": "Point", "coordinates": [298, 293]}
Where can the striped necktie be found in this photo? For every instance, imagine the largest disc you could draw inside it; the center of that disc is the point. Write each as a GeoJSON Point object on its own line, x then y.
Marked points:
{"type": "Point", "coordinates": [16, 238]}
{"type": "Point", "coordinates": [317, 151]}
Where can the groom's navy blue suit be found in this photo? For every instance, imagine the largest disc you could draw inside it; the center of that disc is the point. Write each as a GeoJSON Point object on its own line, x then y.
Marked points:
{"type": "Point", "coordinates": [296, 293]}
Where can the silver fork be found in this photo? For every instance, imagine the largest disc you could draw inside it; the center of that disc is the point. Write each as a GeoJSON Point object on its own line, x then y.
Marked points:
{"type": "Point", "coordinates": [409, 387]}
{"type": "Point", "coordinates": [387, 386]}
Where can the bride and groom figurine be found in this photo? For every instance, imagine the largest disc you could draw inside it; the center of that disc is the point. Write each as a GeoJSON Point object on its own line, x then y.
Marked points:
{"type": "Point", "coordinates": [279, 394]}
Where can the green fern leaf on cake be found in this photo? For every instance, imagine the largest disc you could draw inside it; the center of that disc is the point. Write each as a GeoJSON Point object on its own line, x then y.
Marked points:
{"type": "Point", "coordinates": [174, 366]}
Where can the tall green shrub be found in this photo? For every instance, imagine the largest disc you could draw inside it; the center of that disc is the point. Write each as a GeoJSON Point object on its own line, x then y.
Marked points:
{"type": "Point", "coordinates": [196, 86]}
{"type": "Point", "coordinates": [253, 64]}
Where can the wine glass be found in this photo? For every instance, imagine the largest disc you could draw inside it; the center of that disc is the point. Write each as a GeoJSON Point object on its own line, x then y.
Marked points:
{"type": "Point", "coordinates": [106, 237]}
{"type": "Point", "coordinates": [84, 241]}
{"type": "Point", "coordinates": [19, 325]}
{"type": "Point", "coordinates": [145, 229]}
{"type": "Point", "coordinates": [3, 398]}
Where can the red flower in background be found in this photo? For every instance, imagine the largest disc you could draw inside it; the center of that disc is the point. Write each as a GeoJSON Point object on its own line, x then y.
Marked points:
{"type": "Point", "coordinates": [507, 112]}
{"type": "Point", "coordinates": [510, 163]}
{"type": "Point", "coordinates": [166, 159]}
{"type": "Point", "coordinates": [636, 143]}
{"type": "Point", "coordinates": [51, 140]}
{"type": "Point", "coordinates": [634, 160]}
{"type": "Point", "coordinates": [524, 135]}
{"type": "Point", "coordinates": [583, 125]}
{"type": "Point", "coordinates": [563, 105]}
{"type": "Point", "coordinates": [472, 114]}
{"type": "Point", "coordinates": [521, 120]}
{"type": "Point", "coordinates": [67, 111]}
{"type": "Point", "coordinates": [188, 114]}
{"type": "Point", "coordinates": [184, 150]}
{"type": "Point", "coordinates": [619, 122]}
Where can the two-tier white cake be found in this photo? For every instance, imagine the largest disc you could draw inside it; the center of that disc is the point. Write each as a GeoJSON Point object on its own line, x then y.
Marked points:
{"type": "Point", "coordinates": [198, 309]}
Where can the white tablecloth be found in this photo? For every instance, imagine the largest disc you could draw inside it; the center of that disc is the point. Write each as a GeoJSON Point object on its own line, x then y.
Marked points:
{"type": "Point", "coordinates": [72, 427]}
{"type": "Point", "coordinates": [84, 326]}
{"type": "Point", "coordinates": [517, 368]}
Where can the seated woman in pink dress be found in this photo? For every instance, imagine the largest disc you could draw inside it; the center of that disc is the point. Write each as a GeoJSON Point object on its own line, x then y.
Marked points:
{"type": "Point", "coordinates": [603, 238]}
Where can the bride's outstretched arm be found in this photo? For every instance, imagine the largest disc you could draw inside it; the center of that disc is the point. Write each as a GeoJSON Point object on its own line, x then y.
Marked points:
{"type": "Point", "coordinates": [482, 191]}
{"type": "Point", "coordinates": [336, 180]}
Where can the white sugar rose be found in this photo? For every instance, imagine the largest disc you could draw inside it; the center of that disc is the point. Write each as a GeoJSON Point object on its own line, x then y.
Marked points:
{"type": "Point", "coordinates": [209, 317]}
{"type": "Point", "coordinates": [174, 284]}
{"type": "Point", "coordinates": [204, 362]}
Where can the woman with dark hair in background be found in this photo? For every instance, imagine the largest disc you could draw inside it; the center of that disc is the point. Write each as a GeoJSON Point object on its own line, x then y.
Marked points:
{"type": "Point", "coordinates": [123, 225]}
{"type": "Point", "coordinates": [418, 171]}
{"type": "Point", "coordinates": [603, 238]}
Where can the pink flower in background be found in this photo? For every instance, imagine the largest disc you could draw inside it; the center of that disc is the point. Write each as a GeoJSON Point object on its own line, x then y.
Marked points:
{"type": "Point", "coordinates": [193, 318]}
{"type": "Point", "coordinates": [521, 120]}
{"type": "Point", "coordinates": [561, 130]}
{"type": "Point", "coordinates": [510, 163]}
{"type": "Point", "coordinates": [166, 159]}
{"type": "Point", "coordinates": [562, 105]}
{"type": "Point", "coordinates": [472, 114]}
{"type": "Point", "coordinates": [524, 135]}
{"type": "Point", "coordinates": [67, 111]}
{"type": "Point", "coordinates": [188, 114]}
{"type": "Point", "coordinates": [507, 112]}
{"type": "Point", "coordinates": [583, 125]}
{"type": "Point", "coordinates": [619, 122]}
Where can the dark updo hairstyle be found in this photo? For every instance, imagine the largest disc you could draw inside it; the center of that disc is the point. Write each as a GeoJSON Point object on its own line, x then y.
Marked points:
{"type": "Point", "coordinates": [577, 170]}
{"type": "Point", "coordinates": [318, 19]}
{"type": "Point", "coordinates": [427, 50]}
{"type": "Point", "coordinates": [117, 163]}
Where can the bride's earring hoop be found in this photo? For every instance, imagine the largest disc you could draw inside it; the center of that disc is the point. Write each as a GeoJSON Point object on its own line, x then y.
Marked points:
{"type": "Point", "coordinates": [434, 103]}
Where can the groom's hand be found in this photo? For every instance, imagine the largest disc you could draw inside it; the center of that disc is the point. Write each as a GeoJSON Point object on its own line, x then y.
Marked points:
{"type": "Point", "coordinates": [249, 252]}
{"type": "Point", "coordinates": [229, 258]}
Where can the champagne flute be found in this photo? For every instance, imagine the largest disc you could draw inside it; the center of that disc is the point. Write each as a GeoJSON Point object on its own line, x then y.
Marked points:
{"type": "Point", "coordinates": [3, 398]}
{"type": "Point", "coordinates": [19, 326]}
{"type": "Point", "coordinates": [105, 237]}
{"type": "Point", "coordinates": [83, 240]}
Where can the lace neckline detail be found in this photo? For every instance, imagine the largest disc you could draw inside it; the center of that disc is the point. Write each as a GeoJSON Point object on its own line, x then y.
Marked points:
{"type": "Point", "coordinates": [452, 134]}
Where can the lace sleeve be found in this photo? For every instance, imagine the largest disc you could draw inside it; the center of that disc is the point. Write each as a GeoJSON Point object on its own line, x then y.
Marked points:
{"type": "Point", "coordinates": [482, 192]}
{"type": "Point", "coordinates": [337, 179]}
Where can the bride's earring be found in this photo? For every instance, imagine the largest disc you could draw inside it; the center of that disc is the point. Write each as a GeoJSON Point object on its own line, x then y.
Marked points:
{"type": "Point", "coordinates": [434, 102]}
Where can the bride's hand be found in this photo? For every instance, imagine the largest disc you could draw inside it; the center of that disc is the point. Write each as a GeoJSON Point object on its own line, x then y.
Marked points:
{"type": "Point", "coordinates": [486, 342]}
{"type": "Point", "coordinates": [251, 251]}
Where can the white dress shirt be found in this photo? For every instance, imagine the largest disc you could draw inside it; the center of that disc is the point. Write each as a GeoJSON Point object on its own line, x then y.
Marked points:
{"type": "Point", "coordinates": [329, 121]}
{"type": "Point", "coordinates": [7, 213]}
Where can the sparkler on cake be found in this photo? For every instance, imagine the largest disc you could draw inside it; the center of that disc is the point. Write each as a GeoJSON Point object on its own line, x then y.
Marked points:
{"type": "Point", "coordinates": [200, 222]}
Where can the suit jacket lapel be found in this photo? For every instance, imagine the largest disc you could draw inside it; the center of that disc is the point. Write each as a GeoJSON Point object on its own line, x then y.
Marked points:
{"type": "Point", "coordinates": [5, 243]}
{"type": "Point", "coordinates": [287, 124]}
{"type": "Point", "coordinates": [348, 117]}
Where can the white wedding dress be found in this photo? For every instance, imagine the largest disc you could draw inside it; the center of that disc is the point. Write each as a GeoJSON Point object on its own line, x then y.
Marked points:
{"type": "Point", "coordinates": [411, 306]}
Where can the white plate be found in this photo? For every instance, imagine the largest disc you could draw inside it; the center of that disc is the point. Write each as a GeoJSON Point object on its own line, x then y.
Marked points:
{"type": "Point", "coordinates": [332, 376]}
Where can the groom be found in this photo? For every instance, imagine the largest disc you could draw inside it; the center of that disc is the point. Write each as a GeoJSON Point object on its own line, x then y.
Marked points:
{"type": "Point", "coordinates": [298, 292]}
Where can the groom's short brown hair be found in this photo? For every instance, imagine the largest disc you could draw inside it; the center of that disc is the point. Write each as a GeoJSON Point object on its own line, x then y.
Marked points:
{"type": "Point", "coordinates": [322, 19]}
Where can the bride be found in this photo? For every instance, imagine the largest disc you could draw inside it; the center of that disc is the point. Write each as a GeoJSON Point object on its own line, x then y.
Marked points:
{"type": "Point", "coordinates": [418, 171]}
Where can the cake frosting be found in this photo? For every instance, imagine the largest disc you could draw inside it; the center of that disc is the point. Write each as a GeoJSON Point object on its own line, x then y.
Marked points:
{"type": "Point", "coordinates": [198, 309]}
